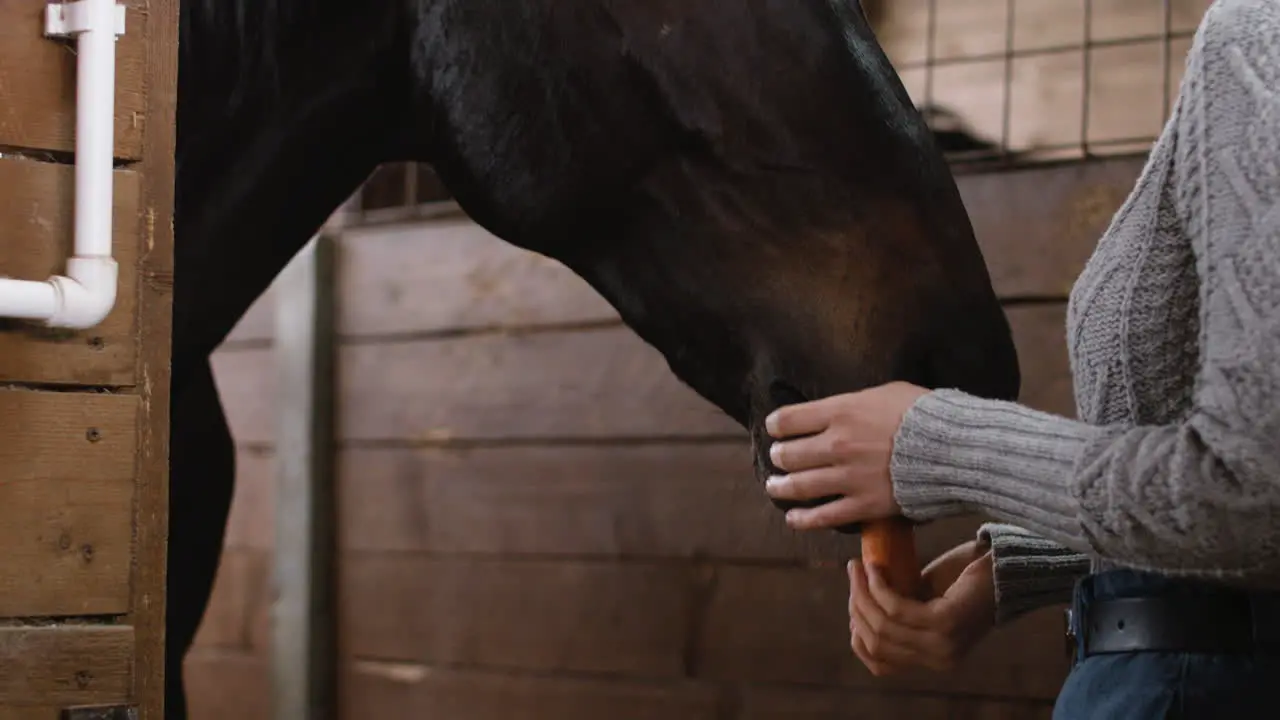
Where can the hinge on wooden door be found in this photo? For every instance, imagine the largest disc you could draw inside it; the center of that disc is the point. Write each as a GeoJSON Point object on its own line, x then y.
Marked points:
{"type": "Point", "coordinates": [101, 712]}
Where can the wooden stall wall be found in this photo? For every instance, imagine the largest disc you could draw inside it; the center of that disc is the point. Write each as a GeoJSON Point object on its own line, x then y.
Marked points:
{"type": "Point", "coordinates": [84, 413]}
{"type": "Point", "coordinates": [536, 515]}
{"type": "Point", "coordinates": [228, 671]}
{"type": "Point", "coordinates": [537, 520]}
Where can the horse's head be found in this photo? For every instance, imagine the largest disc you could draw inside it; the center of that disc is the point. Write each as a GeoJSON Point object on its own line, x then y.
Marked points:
{"type": "Point", "coordinates": [746, 181]}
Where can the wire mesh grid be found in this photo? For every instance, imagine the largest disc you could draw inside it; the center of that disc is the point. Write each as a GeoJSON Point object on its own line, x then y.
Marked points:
{"type": "Point", "coordinates": [1003, 83]}
{"type": "Point", "coordinates": [1017, 82]}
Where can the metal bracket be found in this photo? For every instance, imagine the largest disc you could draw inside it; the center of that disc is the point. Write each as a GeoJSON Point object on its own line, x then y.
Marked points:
{"type": "Point", "coordinates": [72, 18]}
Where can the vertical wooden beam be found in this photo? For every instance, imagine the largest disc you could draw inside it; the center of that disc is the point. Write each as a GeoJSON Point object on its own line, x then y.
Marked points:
{"type": "Point", "coordinates": [303, 612]}
{"type": "Point", "coordinates": [155, 334]}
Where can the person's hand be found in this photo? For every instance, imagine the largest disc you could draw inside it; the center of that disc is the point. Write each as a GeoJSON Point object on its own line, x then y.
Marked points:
{"type": "Point", "coordinates": [891, 633]}
{"type": "Point", "coordinates": [845, 452]}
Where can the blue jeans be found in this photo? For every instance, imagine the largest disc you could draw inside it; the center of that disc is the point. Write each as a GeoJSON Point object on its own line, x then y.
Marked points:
{"type": "Point", "coordinates": [1151, 685]}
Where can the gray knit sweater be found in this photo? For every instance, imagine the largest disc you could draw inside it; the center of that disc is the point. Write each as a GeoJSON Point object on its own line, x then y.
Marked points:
{"type": "Point", "coordinates": [1174, 336]}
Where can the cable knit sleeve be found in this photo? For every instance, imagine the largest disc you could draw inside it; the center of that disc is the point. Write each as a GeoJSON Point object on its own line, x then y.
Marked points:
{"type": "Point", "coordinates": [1197, 497]}
{"type": "Point", "coordinates": [1030, 571]}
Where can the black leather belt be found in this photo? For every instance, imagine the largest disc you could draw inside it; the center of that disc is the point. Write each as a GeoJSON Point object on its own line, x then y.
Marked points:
{"type": "Point", "coordinates": [1224, 624]}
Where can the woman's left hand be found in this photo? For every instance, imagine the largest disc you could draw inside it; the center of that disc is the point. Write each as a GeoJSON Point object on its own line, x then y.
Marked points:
{"type": "Point", "coordinates": [891, 633]}
{"type": "Point", "coordinates": [845, 451]}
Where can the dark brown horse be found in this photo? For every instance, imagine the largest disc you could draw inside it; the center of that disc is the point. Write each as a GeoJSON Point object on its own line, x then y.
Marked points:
{"type": "Point", "coordinates": [746, 181]}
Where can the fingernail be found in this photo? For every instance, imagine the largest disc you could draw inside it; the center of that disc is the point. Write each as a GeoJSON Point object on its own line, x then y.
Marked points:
{"type": "Point", "coordinates": [774, 482]}
{"type": "Point", "coordinates": [771, 422]}
{"type": "Point", "coordinates": [775, 450]}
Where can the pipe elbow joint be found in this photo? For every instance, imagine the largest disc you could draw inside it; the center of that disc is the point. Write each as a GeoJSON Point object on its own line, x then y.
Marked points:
{"type": "Point", "coordinates": [86, 294]}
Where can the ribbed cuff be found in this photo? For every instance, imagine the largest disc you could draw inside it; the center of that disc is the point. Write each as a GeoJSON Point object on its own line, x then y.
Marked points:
{"type": "Point", "coordinates": [1030, 571]}
{"type": "Point", "coordinates": [956, 454]}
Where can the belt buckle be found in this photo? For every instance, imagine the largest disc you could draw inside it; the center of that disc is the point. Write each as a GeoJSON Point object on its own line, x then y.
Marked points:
{"type": "Point", "coordinates": [1069, 636]}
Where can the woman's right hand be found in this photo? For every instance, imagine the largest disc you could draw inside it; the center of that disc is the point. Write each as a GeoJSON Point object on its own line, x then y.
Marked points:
{"type": "Point", "coordinates": [891, 633]}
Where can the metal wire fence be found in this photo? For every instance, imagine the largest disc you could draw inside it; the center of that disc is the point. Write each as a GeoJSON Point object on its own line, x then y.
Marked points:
{"type": "Point", "coordinates": [1003, 83]}
{"type": "Point", "coordinates": [1027, 81]}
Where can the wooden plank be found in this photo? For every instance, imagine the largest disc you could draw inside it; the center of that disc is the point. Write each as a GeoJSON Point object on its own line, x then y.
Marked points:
{"type": "Point", "coordinates": [30, 712]}
{"type": "Point", "coordinates": [65, 665]}
{"type": "Point", "coordinates": [612, 501]}
{"type": "Point", "coordinates": [36, 202]}
{"type": "Point", "coordinates": [304, 668]}
{"type": "Point", "coordinates": [1037, 227]}
{"type": "Point", "coordinates": [382, 690]}
{"type": "Point", "coordinates": [789, 625]}
{"type": "Point", "coordinates": [628, 619]}
{"type": "Point", "coordinates": [238, 617]}
{"type": "Point", "coordinates": [451, 274]}
{"type": "Point", "coordinates": [155, 329]}
{"type": "Point", "coordinates": [246, 381]}
{"type": "Point", "coordinates": [67, 547]}
{"type": "Point", "coordinates": [607, 502]}
{"type": "Point", "coordinates": [67, 493]}
{"type": "Point", "coordinates": [251, 523]}
{"type": "Point", "coordinates": [757, 625]}
{"type": "Point", "coordinates": [38, 80]}
{"type": "Point", "coordinates": [223, 685]}
{"type": "Point", "coordinates": [771, 703]}
{"type": "Point", "coordinates": [604, 383]}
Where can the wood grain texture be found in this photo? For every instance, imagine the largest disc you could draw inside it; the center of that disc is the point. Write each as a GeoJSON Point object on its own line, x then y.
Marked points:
{"type": "Point", "coordinates": [222, 685]}
{"type": "Point", "coordinates": [250, 524]}
{"type": "Point", "coordinates": [30, 712]}
{"type": "Point", "coordinates": [246, 381]}
{"type": "Point", "coordinates": [604, 618]}
{"type": "Point", "coordinates": [155, 303]}
{"type": "Point", "coordinates": [36, 201]}
{"type": "Point", "coordinates": [734, 624]}
{"type": "Point", "coordinates": [67, 547]}
{"type": "Point", "coordinates": [65, 665]}
{"type": "Point", "coordinates": [238, 617]}
{"type": "Point", "coordinates": [582, 385]}
{"type": "Point", "coordinates": [788, 625]}
{"type": "Point", "coordinates": [605, 502]}
{"type": "Point", "coordinates": [609, 501]}
{"type": "Point", "coordinates": [382, 690]}
{"type": "Point", "coordinates": [38, 81]}
{"type": "Point", "coordinates": [66, 494]}
{"type": "Point", "coordinates": [451, 274]}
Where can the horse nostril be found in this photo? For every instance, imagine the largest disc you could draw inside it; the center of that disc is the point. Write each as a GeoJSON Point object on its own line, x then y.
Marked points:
{"type": "Point", "coordinates": [783, 393]}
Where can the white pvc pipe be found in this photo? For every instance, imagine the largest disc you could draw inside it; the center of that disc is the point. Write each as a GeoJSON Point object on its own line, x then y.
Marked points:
{"type": "Point", "coordinates": [85, 295]}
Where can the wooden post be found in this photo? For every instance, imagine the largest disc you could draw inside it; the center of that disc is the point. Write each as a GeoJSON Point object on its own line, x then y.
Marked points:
{"type": "Point", "coordinates": [303, 613]}
{"type": "Point", "coordinates": [84, 414]}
